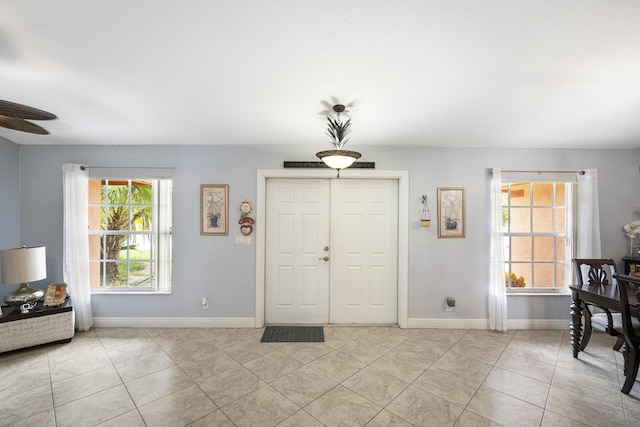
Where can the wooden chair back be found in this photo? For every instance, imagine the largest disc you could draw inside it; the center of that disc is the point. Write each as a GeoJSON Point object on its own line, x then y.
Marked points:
{"type": "Point", "coordinates": [594, 271]}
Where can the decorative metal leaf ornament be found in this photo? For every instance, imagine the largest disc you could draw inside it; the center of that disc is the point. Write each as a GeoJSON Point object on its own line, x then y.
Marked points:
{"type": "Point", "coordinates": [338, 130]}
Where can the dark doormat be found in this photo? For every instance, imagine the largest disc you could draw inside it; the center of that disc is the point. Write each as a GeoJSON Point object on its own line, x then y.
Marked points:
{"type": "Point", "coordinates": [293, 334]}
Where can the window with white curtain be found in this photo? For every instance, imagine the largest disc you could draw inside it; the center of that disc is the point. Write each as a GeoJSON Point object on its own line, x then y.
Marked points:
{"type": "Point", "coordinates": [538, 217]}
{"type": "Point", "coordinates": [130, 234]}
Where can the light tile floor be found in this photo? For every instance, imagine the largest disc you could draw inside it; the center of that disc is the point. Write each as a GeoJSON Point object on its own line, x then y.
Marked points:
{"type": "Point", "coordinates": [373, 376]}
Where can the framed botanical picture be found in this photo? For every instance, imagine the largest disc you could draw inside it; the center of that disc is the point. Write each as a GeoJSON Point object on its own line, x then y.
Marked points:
{"type": "Point", "coordinates": [451, 215]}
{"type": "Point", "coordinates": [214, 209]}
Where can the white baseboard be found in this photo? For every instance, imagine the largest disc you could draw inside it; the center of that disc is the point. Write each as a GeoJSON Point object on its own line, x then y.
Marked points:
{"type": "Point", "coordinates": [250, 322]}
{"type": "Point", "coordinates": [174, 322]}
{"type": "Point", "coordinates": [447, 323]}
{"type": "Point", "coordinates": [538, 324]}
{"type": "Point", "coordinates": [484, 323]}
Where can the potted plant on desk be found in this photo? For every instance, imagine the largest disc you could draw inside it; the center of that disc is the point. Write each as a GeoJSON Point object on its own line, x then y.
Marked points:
{"type": "Point", "coordinates": [631, 230]}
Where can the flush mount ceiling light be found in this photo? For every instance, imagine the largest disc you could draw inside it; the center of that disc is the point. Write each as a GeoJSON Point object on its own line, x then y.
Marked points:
{"type": "Point", "coordinates": [338, 131]}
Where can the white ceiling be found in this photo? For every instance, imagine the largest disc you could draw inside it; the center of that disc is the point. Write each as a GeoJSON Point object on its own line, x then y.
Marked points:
{"type": "Point", "coordinates": [466, 73]}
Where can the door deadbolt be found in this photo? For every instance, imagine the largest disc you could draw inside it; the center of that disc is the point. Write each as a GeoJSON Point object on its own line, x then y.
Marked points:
{"type": "Point", "coordinates": [326, 248]}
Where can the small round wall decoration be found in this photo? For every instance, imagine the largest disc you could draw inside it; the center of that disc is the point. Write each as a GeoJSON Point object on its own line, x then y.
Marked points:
{"type": "Point", "coordinates": [246, 207]}
{"type": "Point", "coordinates": [246, 222]}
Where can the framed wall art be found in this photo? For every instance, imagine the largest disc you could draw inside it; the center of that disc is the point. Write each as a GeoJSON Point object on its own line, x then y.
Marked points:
{"type": "Point", "coordinates": [451, 214]}
{"type": "Point", "coordinates": [214, 209]}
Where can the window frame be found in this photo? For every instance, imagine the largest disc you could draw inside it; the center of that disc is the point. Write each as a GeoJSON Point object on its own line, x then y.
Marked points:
{"type": "Point", "coordinates": [569, 236]}
{"type": "Point", "coordinates": [160, 233]}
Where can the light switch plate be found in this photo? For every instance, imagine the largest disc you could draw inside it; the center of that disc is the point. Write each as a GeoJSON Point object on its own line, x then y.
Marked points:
{"type": "Point", "coordinates": [243, 240]}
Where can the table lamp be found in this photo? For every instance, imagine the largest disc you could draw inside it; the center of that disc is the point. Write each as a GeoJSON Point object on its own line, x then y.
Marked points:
{"type": "Point", "coordinates": [23, 265]}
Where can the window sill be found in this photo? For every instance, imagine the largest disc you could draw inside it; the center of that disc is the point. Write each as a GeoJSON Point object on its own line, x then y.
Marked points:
{"type": "Point", "coordinates": [564, 292]}
{"type": "Point", "coordinates": [130, 292]}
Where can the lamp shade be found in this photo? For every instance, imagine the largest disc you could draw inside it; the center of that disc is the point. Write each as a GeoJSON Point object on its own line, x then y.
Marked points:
{"type": "Point", "coordinates": [22, 265]}
{"type": "Point", "coordinates": [338, 159]}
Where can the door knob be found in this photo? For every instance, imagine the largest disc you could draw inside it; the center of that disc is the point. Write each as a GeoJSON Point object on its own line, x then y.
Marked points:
{"type": "Point", "coordinates": [326, 258]}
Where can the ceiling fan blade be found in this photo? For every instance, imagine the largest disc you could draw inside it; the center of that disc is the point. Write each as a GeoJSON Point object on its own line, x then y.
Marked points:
{"type": "Point", "coordinates": [19, 111]}
{"type": "Point", "coordinates": [22, 125]}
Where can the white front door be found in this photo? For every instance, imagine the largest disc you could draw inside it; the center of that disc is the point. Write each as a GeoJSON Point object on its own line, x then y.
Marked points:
{"type": "Point", "coordinates": [331, 251]}
{"type": "Point", "coordinates": [297, 231]}
{"type": "Point", "coordinates": [364, 273]}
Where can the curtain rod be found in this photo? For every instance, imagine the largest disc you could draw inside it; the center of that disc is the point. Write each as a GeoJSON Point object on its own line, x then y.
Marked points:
{"type": "Point", "coordinates": [581, 172]}
{"type": "Point", "coordinates": [125, 167]}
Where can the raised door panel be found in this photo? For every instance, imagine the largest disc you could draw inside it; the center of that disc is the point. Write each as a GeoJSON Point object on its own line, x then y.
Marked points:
{"type": "Point", "coordinates": [364, 284]}
{"type": "Point", "coordinates": [297, 230]}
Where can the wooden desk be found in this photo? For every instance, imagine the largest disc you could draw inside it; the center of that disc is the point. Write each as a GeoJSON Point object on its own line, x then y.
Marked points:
{"type": "Point", "coordinates": [39, 326]}
{"type": "Point", "coordinates": [603, 296]}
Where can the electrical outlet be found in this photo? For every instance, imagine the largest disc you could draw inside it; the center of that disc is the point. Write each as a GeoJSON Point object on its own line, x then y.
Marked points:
{"type": "Point", "coordinates": [450, 303]}
{"type": "Point", "coordinates": [205, 303]}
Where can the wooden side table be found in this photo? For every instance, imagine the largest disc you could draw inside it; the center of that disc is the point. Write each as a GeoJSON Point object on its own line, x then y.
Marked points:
{"type": "Point", "coordinates": [40, 325]}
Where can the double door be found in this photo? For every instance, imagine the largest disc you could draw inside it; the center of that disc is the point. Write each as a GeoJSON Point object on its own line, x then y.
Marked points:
{"type": "Point", "coordinates": [331, 251]}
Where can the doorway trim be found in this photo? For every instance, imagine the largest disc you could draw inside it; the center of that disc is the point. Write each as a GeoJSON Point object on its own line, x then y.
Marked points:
{"type": "Point", "coordinates": [403, 227]}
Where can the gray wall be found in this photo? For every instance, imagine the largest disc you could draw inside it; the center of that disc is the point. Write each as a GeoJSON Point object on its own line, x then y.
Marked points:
{"type": "Point", "coordinates": [217, 268]}
{"type": "Point", "coordinates": [9, 200]}
{"type": "Point", "coordinates": [9, 194]}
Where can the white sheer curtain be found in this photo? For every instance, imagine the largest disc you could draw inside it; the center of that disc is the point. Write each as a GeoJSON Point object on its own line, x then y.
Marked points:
{"type": "Point", "coordinates": [588, 241]}
{"type": "Point", "coordinates": [497, 288]}
{"type": "Point", "coordinates": [76, 242]}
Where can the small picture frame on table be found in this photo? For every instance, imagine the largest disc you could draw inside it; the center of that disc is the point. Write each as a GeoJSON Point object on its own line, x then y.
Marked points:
{"type": "Point", "coordinates": [56, 295]}
{"type": "Point", "coordinates": [214, 209]}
